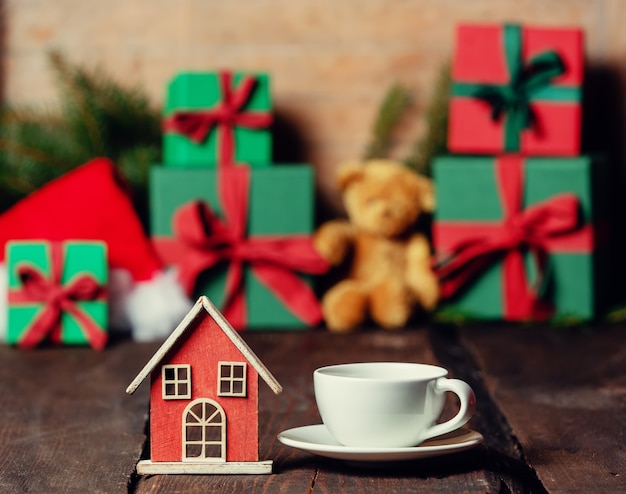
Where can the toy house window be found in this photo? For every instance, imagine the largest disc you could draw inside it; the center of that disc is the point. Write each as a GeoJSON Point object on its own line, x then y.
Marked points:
{"type": "Point", "coordinates": [232, 379]}
{"type": "Point", "coordinates": [176, 382]}
{"type": "Point", "coordinates": [204, 432]}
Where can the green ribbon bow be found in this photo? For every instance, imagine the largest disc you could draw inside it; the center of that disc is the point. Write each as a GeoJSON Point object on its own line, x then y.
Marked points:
{"type": "Point", "coordinates": [527, 82]}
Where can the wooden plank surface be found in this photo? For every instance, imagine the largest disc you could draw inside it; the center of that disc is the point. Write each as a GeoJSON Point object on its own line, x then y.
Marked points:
{"type": "Point", "coordinates": [292, 357]}
{"type": "Point", "coordinates": [564, 396]}
{"type": "Point", "coordinates": [66, 424]}
{"type": "Point", "coordinates": [551, 406]}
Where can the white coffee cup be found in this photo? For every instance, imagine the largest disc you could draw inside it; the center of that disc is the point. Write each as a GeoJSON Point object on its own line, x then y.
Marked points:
{"type": "Point", "coordinates": [388, 404]}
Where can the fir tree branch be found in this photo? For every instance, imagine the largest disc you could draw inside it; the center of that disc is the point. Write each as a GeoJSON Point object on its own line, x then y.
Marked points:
{"type": "Point", "coordinates": [76, 92]}
{"type": "Point", "coordinates": [15, 183]}
{"type": "Point", "coordinates": [27, 152]}
{"type": "Point", "coordinates": [15, 116]}
{"type": "Point", "coordinates": [434, 140]}
{"type": "Point", "coordinates": [393, 106]}
{"type": "Point", "coordinates": [29, 136]}
{"type": "Point", "coordinates": [98, 117]}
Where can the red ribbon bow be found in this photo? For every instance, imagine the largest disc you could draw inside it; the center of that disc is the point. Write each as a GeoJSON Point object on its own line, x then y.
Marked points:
{"type": "Point", "coordinates": [203, 240]}
{"type": "Point", "coordinates": [196, 124]}
{"type": "Point", "coordinates": [549, 225]}
{"type": "Point", "coordinates": [57, 299]}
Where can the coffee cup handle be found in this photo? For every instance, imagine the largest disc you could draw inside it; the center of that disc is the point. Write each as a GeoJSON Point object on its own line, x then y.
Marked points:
{"type": "Point", "coordinates": [466, 409]}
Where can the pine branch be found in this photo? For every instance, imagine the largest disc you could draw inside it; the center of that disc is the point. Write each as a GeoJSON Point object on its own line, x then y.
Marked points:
{"type": "Point", "coordinates": [118, 117]}
{"type": "Point", "coordinates": [13, 116]}
{"type": "Point", "coordinates": [393, 106]}
{"type": "Point", "coordinates": [434, 140]}
{"type": "Point", "coordinates": [134, 163]}
{"type": "Point", "coordinates": [22, 152]}
{"type": "Point", "coordinates": [98, 117]}
{"type": "Point", "coordinates": [77, 102]}
{"type": "Point", "coordinates": [29, 151]}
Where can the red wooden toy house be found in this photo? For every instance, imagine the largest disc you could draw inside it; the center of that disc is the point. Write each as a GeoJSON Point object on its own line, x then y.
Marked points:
{"type": "Point", "coordinates": [204, 399]}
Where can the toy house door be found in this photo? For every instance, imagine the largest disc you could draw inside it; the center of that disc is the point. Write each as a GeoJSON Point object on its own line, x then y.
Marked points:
{"type": "Point", "coordinates": [204, 432]}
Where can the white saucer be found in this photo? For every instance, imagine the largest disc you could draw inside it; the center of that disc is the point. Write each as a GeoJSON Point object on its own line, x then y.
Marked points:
{"type": "Point", "coordinates": [317, 440]}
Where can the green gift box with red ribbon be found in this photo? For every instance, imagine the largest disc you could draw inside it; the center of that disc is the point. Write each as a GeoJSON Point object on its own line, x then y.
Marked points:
{"type": "Point", "coordinates": [519, 238]}
{"type": "Point", "coordinates": [216, 117]}
{"type": "Point", "coordinates": [516, 89]}
{"type": "Point", "coordinates": [57, 292]}
{"type": "Point", "coordinates": [242, 237]}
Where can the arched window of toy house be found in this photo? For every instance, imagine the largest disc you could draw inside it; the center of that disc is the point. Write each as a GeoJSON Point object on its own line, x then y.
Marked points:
{"type": "Point", "coordinates": [204, 431]}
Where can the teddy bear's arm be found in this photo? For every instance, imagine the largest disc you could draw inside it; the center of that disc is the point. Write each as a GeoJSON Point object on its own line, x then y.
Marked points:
{"type": "Point", "coordinates": [420, 275]}
{"type": "Point", "coordinates": [333, 239]}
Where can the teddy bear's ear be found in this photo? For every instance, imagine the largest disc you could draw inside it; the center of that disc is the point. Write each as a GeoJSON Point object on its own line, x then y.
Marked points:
{"type": "Point", "coordinates": [348, 173]}
{"type": "Point", "coordinates": [426, 194]}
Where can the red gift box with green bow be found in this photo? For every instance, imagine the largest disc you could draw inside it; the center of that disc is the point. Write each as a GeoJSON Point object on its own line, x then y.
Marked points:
{"type": "Point", "coordinates": [519, 238]}
{"type": "Point", "coordinates": [516, 89]}
{"type": "Point", "coordinates": [217, 117]}
{"type": "Point", "coordinates": [57, 293]}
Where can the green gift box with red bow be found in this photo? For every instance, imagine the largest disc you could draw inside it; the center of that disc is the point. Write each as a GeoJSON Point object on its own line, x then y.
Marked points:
{"type": "Point", "coordinates": [519, 238]}
{"type": "Point", "coordinates": [217, 117]}
{"type": "Point", "coordinates": [57, 293]}
{"type": "Point", "coordinates": [516, 89]}
{"type": "Point", "coordinates": [241, 236]}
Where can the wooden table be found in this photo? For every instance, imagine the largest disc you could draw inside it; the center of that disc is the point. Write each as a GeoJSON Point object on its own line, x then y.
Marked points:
{"type": "Point", "coordinates": [551, 406]}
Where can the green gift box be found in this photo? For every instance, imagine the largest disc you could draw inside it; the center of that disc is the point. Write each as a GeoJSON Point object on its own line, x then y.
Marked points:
{"type": "Point", "coordinates": [57, 293]}
{"type": "Point", "coordinates": [212, 118]}
{"type": "Point", "coordinates": [517, 238]}
{"type": "Point", "coordinates": [280, 208]}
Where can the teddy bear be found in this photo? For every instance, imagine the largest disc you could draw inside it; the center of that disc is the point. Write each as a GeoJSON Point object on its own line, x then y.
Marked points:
{"type": "Point", "coordinates": [389, 274]}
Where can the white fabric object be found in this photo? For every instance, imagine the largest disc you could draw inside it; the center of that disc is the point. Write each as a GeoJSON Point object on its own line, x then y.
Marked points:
{"type": "Point", "coordinates": [154, 308]}
{"type": "Point", "coordinates": [150, 310]}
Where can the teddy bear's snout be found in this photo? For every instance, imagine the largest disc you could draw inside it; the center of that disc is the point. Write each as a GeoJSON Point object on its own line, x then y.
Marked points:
{"type": "Point", "coordinates": [391, 211]}
{"type": "Point", "coordinates": [383, 213]}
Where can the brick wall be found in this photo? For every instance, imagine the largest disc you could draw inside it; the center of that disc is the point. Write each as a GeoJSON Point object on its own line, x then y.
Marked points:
{"type": "Point", "coordinates": [331, 60]}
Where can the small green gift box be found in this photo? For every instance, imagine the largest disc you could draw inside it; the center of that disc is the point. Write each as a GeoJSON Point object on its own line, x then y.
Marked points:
{"type": "Point", "coordinates": [212, 118]}
{"type": "Point", "coordinates": [57, 293]}
{"type": "Point", "coordinates": [516, 238]}
{"type": "Point", "coordinates": [242, 237]}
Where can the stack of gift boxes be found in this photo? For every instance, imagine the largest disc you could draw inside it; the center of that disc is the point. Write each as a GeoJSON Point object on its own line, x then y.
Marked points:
{"type": "Point", "coordinates": [516, 232]}
{"type": "Point", "coordinates": [518, 206]}
{"type": "Point", "coordinates": [235, 226]}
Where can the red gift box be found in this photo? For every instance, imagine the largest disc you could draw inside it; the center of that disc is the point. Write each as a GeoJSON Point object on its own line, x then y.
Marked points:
{"type": "Point", "coordinates": [516, 89]}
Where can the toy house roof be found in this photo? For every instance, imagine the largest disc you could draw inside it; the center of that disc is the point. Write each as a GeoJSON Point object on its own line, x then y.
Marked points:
{"type": "Point", "coordinates": [205, 305]}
